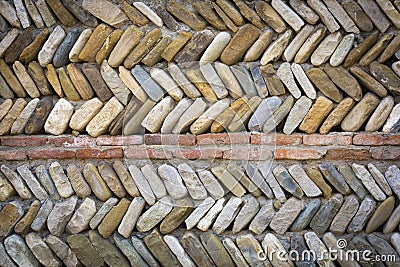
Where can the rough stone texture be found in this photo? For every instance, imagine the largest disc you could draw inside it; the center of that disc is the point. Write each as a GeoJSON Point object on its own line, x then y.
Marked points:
{"type": "Point", "coordinates": [305, 217]}
{"type": "Point", "coordinates": [129, 220]}
{"type": "Point", "coordinates": [271, 242]}
{"type": "Point", "coordinates": [18, 126]}
{"type": "Point", "coordinates": [216, 249]}
{"type": "Point", "coordinates": [19, 251]}
{"type": "Point", "coordinates": [41, 251]}
{"type": "Point", "coordinates": [275, 49]}
{"type": "Point", "coordinates": [323, 218]}
{"type": "Point", "coordinates": [85, 114]}
{"type": "Point", "coordinates": [297, 114]}
{"type": "Point", "coordinates": [84, 250]}
{"type": "Point", "coordinates": [82, 216]}
{"type": "Point", "coordinates": [288, 14]}
{"type": "Point", "coordinates": [365, 211]}
{"type": "Point", "coordinates": [286, 215]}
{"type": "Point", "coordinates": [60, 180]}
{"type": "Point", "coordinates": [40, 219]}
{"type": "Point", "coordinates": [60, 215]}
{"type": "Point", "coordinates": [344, 215]}
{"type": "Point", "coordinates": [30, 179]}
{"type": "Point", "coordinates": [310, 44]}
{"type": "Point", "coordinates": [38, 119]}
{"type": "Point", "coordinates": [326, 49]}
{"type": "Point", "coordinates": [174, 219]}
{"type": "Point", "coordinates": [216, 47]}
{"type": "Point", "coordinates": [97, 184]}
{"type": "Point", "coordinates": [317, 113]}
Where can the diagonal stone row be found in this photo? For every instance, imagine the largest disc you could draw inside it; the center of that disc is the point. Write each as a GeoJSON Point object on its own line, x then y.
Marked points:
{"type": "Point", "coordinates": [194, 249]}
{"type": "Point", "coordinates": [258, 198]}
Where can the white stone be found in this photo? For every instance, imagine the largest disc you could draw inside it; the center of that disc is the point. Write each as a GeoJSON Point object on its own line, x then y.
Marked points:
{"type": "Point", "coordinates": [234, 252]}
{"type": "Point", "coordinates": [82, 216]}
{"type": "Point", "coordinates": [177, 249]}
{"type": "Point", "coordinates": [271, 243]}
{"type": "Point", "coordinates": [209, 218]}
{"type": "Point", "coordinates": [155, 118]}
{"type": "Point", "coordinates": [368, 181]}
{"type": "Point", "coordinates": [150, 14]}
{"type": "Point", "coordinates": [204, 122]}
{"type": "Point", "coordinates": [102, 212]}
{"type": "Point", "coordinates": [79, 44]}
{"type": "Point", "coordinates": [142, 185]}
{"type": "Point", "coordinates": [275, 50]}
{"type": "Point", "coordinates": [266, 171]}
{"type": "Point", "coordinates": [157, 186]}
{"type": "Point", "coordinates": [297, 114]}
{"type": "Point", "coordinates": [46, 54]}
{"type": "Point", "coordinates": [199, 212]}
{"type": "Point", "coordinates": [172, 181]}
{"type": "Point", "coordinates": [166, 82]}
{"type": "Point", "coordinates": [326, 49]}
{"type": "Point", "coordinates": [342, 50]}
{"type": "Point", "coordinates": [284, 73]}
{"type": "Point", "coordinates": [189, 116]}
{"type": "Point", "coordinates": [9, 13]}
{"type": "Point", "coordinates": [303, 80]}
{"type": "Point", "coordinates": [214, 50]}
{"type": "Point", "coordinates": [297, 42]}
{"type": "Point", "coordinates": [227, 215]}
{"type": "Point", "coordinates": [173, 117]}
{"type": "Point", "coordinates": [394, 117]}
{"type": "Point", "coordinates": [340, 14]}
{"type": "Point", "coordinates": [192, 182]}
{"type": "Point", "coordinates": [211, 184]}
{"type": "Point", "coordinates": [85, 114]}
{"type": "Point", "coordinates": [19, 251]}
{"type": "Point", "coordinates": [326, 17]}
{"type": "Point", "coordinates": [288, 14]}
{"type": "Point", "coordinates": [179, 77]}
{"type": "Point", "coordinates": [316, 245]}
{"type": "Point", "coordinates": [380, 115]}
{"type": "Point", "coordinates": [301, 177]}
{"type": "Point", "coordinates": [45, 12]}
{"type": "Point", "coordinates": [263, 112]}
{"type": "Point", "coordinates": [214, 80]}
{"type": "Point", "coordinates": [131, 216]}
{"type": "Point", "coordinates": [60, 180]}
{"type": "Point", "coordinates": [60, 215]}
{"type": "Point", "coordinates": [380, 179]}
{"type": "Point", "coordinates": [22, 13]}
{"type": "Point", "coordinates": [7, 41]}
{"type": "Point", "coordinates": [57, 122]}
{"type": "Point", "coordinates": [34, 13]}
{"type": "Point", "coordinates": [247, 212]}
{"type": "Point", "coordinates": [154, 215]}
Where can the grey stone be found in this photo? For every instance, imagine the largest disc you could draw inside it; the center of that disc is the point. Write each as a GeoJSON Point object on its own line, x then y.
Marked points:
{"type": "Point", "coordinates": [41, 217]}
{"type": "Point", "coordinates": [284, 73]}
{"type": "Point", "coordinates": [102, 212]}
{"type": "Point", "coordinates": [188, 88]}
{"type": "Point", "coordinates": [383, 248]}
{"type": "Point", "coordinates": [153, 90]}
{"type": "Point", "coordinates": [215, 249]}
{"type": "Point", "coordinates": [105, 11]}
{"type": "Point", "coordinates": [251, 250]}
{"type": "Point", "coordinates": [211, 184]}
{"type": "Point", "coordinates": [245, 80]}
{"type": "Point", "coordinates": [157, 186]}
{"type": "Point", "coordinates": [263, 112]}
{"type": "Point", "coordinates": [160, 250]}
{"type": "Point", "coordinates": [298, 244]}
{"type": "Point", "coordinates": [177, 249]}
{"type": "Point", "coordinates": [62, 251]}
{"type": "Point", "coordinates": [380, 179]}
{"type": "Point", "coordinates": [286, 215]}
{"type": "Point", "coordinates": [287, 181]}
{"type": "Point", "coordinates": [60, 180]}
{"type": "Point", "coordinates": [246, 214]}
{"type": "Point", "coordinates": [125, 178]}
{"type": "Point", "coordinates": [266, 172]}
{"type": "Point", "coordinates": [60, 215]}
{"type": "Point", "coordinates": [142, 184]}
{"type": "Point", "coordinates": [306, 215]}
{"type": "Point", "coordinates": [344, 215]}
{"type": "Point", "coordinates": [189, 116]}
{"type": "Point", "coordinates": [204, 122]}
{"type": "Point", "coordinates": [144, 252]}
{"type": "Point", "coordinates": [301, 177]}
{"type": "Point", "coordinates": [349, 176]}
{"type": "Point", "coordinates": [154, 215]}
{"type": "Point", "coordinates": [133, 125]}
{"type": "Point", "coordinates": [323, 218]}
{"type": "Point", "coordinates": [192, 182]}
{"type": "Point", "coordinates": [41, 251]}
{"type": "Point", "coordinates": [255, 176]}
{"type": "Point", "coordinates": [258, 79]}
{"type": "Point", "coordinates": [80, 13]}
{"type": "Point", "coordinates": [234, 252]}
{"type": "Point", "coordinates": [173, 117]}
{"type": "Point", "coordinates": [61, 56]}
{"type": "Point", "coordinates": [393, 221]}
{"type": "Point", "coordinates": [195, 249]}
{"type": "Point", "coordinates": [380, 115]}
{"type": "Point", "coordinates": [129, 251]}
{"type": "Point", "coordinates": [395, 241]}
{"type": "Point", "coordinates": [5, 260]}
{"type": "Point", "coordinates": [214, 80]}
{"type": "Point", "coordinates": [227, 215]}
{"type": "Point", "coordinates": [297, 114]}
{"type": "Point", "coordinates": [18, 126]}
{"type": "Point", "coordinates": [368, 181]}
{"type": "Point", "coordinates": [130, 218]}
{"type": "Point", "coordinates": [331, 242]}
{"type": "Point", "coordinates": [342, 50]}
{"type": "Point", "coordinates": [315, 244]}
{"type": "Point", "coordinates": [263, 217]}
{"type": "Point", "coordinates": [16, 182]}
{"type": "Point", "coordinates": [298, 40]}
{"type": "Point", "coordinates": [278, 115]}
{"type": "Point", "coordinates": [229, 80]}
{"type": "Point", "coordinates": [326, 17]}
{"type": "Point", "coordinates": [211, 215]}
{"type": "Point", "coordinates": [32, 182]}
{"type": "Point", "coordinates": [365, 211]}
{"type": "Point", "coordinates": [272, 243]}
{"type": "Point", "coordinates": [199, 212]}
{"type": "Point", "coordinates": [335, 178]}
{"type": "Point", "coordinates": [166, 82]}
{"type": "Point", "coordinates": [341, 16]}
{"type": "Point", "coordinates": [119, 89]}
{"type": "Point", "coordinates": [375, 14]}
{"type": "Point", "coordinates": [172, 181]}
{"type": "Point", "coordinates": [50, 46]}
{"type": "Point", "coordinates": [19, 251]}
{"type": "Point", "coordinates": [288, 14]}
{"type": "Point", "coordinates": [82, 216]}
{"type": "Point", "coordinates": [361, 244]}
{"type": "Point", "coordinates": [214, 50]}
{"type": "Point", "coordinates": [275, 50]}
{"type": "Point", "coordinates": [82, 189]}
{"type": "Point", "coordinates": [392, 175]}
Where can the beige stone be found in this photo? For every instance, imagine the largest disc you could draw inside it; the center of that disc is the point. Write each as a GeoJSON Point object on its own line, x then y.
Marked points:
{"type": "Point", "coordinates": [342, 50]}
{"type": "Point", "coordinates": [149, 13]}
{"type": "Point", "coordinates": [105, 11]}
{"type": "Point", "coordinates": [7, 41]}
{"type": "Point", "coordinates": [318, 112]}
{"type": "Point", "coordinates": [270, 16]}
{"type": "Point", "coordinates": [80, 82]}
{"type": "Point", "coordinates": [374, 52]}
{"type": "Point", "coordinates": [324, 84]}
{"type": "Point", "coordinates": [130, 82]}
{"type": "Point", "coordinates": [67, 86]}
{"type": "Point", "coordinates": [94, 43]}
{"type": "Point", "coordinates": [12, 115]}
{"type": "Point", "coordinates": [96, 183]}
{"type": "Point", "coordinates": [294, 46]}
{"type": "Point", "coordinates": [288, 14]}
{"type": "Point", "coordinates": [110, 76]}
{"type": "Point", "coordinates": [217, 46]}
{"type": "Point", "coordinates": [310, 44]}
{"type": "Point", "coordinates": [368, 81]}
{"type": "Point", "coordinates": [113, 218]}
{"type": "Point", "coordinates": [230, 10]}
{"type": "Point", "coordinates": [357, 52]}
{"type": "Point", "coordinates": [52, 77]}
{"type": "Point", "coordinates": [129, 39]}
{"type": "Point", "coordinates": [326, 49]}
{"type": "Point", "coordinates": [225, 18]}
{"type": "Point", "coordinates": [45, 55]}
{"type": "Point", "coordinates": [59, 117]}
{"type": "Point", "coordinates": [275, 49]}
{"type": "Point", "coordinates": [341, 16]}
{"type": "Point", "coordinates": [85, 114]}
{"type": "Point", "coordinates": [108, 46]}
{"type": "Point", "coordinates": [326, 17]}
{"type": "Point", "coordinates": [25, 79]}
{"type": "Point", "coordinates": [189, 18]}
{"type": "Point", "coordinates": [337, 115]}
{"type": "Point", "coordinates": [256, 50]}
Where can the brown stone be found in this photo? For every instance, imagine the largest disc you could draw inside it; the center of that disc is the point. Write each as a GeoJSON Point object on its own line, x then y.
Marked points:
{"type": "Point", "coordinates": [67, 86]}
{"type": "Point", "coordinates": [95, 42]}
{"type": "Point", "coordinates": [113, 218]}
{"type": "Point", "coordinates": [37, 120]}
{"type": "Point", "coordinates": [105, 11]}
{"type": "Point", "coordinates": [337, 115]}
{"type": "Point", "coordinates": [316, 176]}
{"type": "Point", "coordinates": [189, 18]}
{"type": "Point", "coordinates": [317, 113]}
{"type": "Point", "coordinates": [358, 15]}
{"type": "Point", "coordinates": [241, 41]}
{"type": "Point", "coordinates": [23, 40]}
{"type": "Point", "coordinates": [145, 45]}
{"type": "Point", "coordinates": [386, 76]}
{"type": "Point", "coordinates": [160, 249]}
{"type": "Point", "coordinates": [368, 81]}
{"type": "Point", "coordinates": [24, 225]}
{"type": "Point", "coordinates": [390, 50]}
{"type": "Point", "coordinates": [206, 11]}
{"type": "Point", "coordinates": [168, 19]}
{"type": "Point", "coordinates": [381, 214]}
{"type": "Point", "coordinates": [195, 249]}
{"type": "Point", "coordinates": [249, 14]}
{"type": "Point", "coordinates": [10, 78]}
{"type": "Point", "coordinates": [373, 53]}
{"type": "Point", "coordinates": [274, 84]}
{"type": "Point", "coordinates": [224, 119]}
{"type": "Point", "coordinates": [108, 46]}
{"type": "Point", "coordinates": [31, 52]}
{"type": "Point", "coordinates": [7, 122]}
{"type": "Point", "coordinates": [310, 44]}
{"type": "Point", "coordinates": [9, 215]}
{"type": "Point", "coordinates": [65, 17]}
{"type": "Point", "coordinates": [230, 10]}
{"type": "Point", "coordinates": [129, 39]}
{"type": "Point", "coordinates": [52, 77]}
{"type": "Point", "coordinates": [228, 22]}
{"type": "Point", "coordinates": [270, 16]}
{"type": "Point", "coordinates": [175, 218]}
{"type": "Point", "coordinates": [37, 74]}
{"type": "Point", "coordinates": [175, 46]}
{"type": "Point", "coordinates": [197, 78]}
{"type": "Point", "coordinates": [357, 52]}
{"type": "Point", "coordinates": [92, 73]}
{"type": "Point", "coordinates": [360, 113]}
{"type": "Point", "coordinates": [110, 177]}
{"type": "Point", "coordinates": [193, 50]}
{"type": "Point", "coordinates": [345, 81]}
{"type": "Point", "coordinates": [133, 14]}
{"type": "Point", "coordinates": [154, 55]}
{"type": "Point", "coordinates": [324, 84]}
{"type": "Point", "coordinates": [79, 80]}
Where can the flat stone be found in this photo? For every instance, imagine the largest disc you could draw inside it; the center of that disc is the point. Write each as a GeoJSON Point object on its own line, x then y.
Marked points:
{"type": "Point", "coordinates": [19, 124]}
{"type": "Point", "coordinates": [129, 220]}
{"type": "Point", "coordinates": [41, 251]}
{"type": "Point", "coordinates": [360, 113]}
{"type": "Point", "coordinates": [228, 180]}
{"type": "Point", "coordinates": [390, 50]}
{"type": "Point", "coordinates": [284, 72]}
{"type": "Point", "coordinates": [125, 178]}
{"type": "Point", "coordinates": [197, 78]}
{"type": "Point", "coordinates": [204, 122]}
{"type": "Point", "coordinates": [5, 91]}
{"type": "Point", "coordinates": [30, 39]}
{"type": "Point", "coordinates": [134, 14]}
{"type": "Point", "coordinates": [102, 212]}
{"type": "Point", "coordinates": [392, 173]}
{"type": "Point", "coordinates": [270, 16]}
{"type": "Point", "coordinates": [113, 218]}
{"type": "Point", "coordinates": [132, 124]}
{"type": "Point", "coordinates": [323, 218]}
{"type": "Point", "coordinates": [306, 184]}
{"type": "Point", "coordinates": [287, 182]}
{"type": "Point", "coordinates": [381, 113]}
{"type": "Point", "coordinates": [46, 181]}
{"type": "Point", "coordinates": [243, 115]}
{"type": "Point", "coordinates": [288, 14]}
{"type": "Point", "coordinates": [214, 80]}
{"type": "Point", "coordinates": [225, 18]}
{"type": "Point", "coordinates": [391, 223]}
{"type": "Point", "coordinates": [395, 241]}
{"type": "Point", "coordinates": [230, 10]}
{"type": "Point", "coordinates": [160, 249]}
{"type": "Point", "coordinates": [325, 15]}
{"type": "Point", "coordinates": [84, 250]}
{"type": "Point", "coordinates": [10, 215]}
{"type": "Point", "coordinates": [189, 18]}
{"type": "Point", "coordinates": [380, 179]}
{"type": "Point", "coordinates": [189, 116]}
{"type": "Point", "coordinates": [30, 179]}
{"type": "Point", "coordinates": [274, 84]}
{"type": "Point", "coordinates": [165, 81]}
{"type": "Point", "coordinates": [227, 215]}
{"type": "Point", "coordinates": [259, 82]}
{"type": "Point", "coordinates": [154, 215]}
{"type": "Point", "coordinates": [59, 117]}
{"type": "Point", "coordinates": [326, 48]}
{"type": "Point", "coordinates": [10, 14]}
{"type": "Point", "coordinates": [241, 177]}
{"type": "Point", "coordinates": [40, 220]}
{"type": "Point", "coordinates": [16, 182]}
{"type": "Point", "coordinates": [297, 42]}
{"type": "Point", "coordinates": [94, 43]}
{"type": "Point", "coordinates": [216, 249]}
{"type": "Point", "coordinates": [392, 120]}
{"type": "Point", "coordinates": [344, 215]}
{"type": "Point", "coordinates": [49, 48]}
{"type": "Point", "coordinates": [298, 244]}
{"type": "Point", "coordinates": [385, 76]}
{"type": "Point", "coordinates": [235, 50]}
{"type": "Point", "coordinates": [78, 45]}
{"type": "Point", "coordinates": [82, 216]}
{"type": "Point", "coordinates": [80, 82]}
{"type": "Point", "coordinates": [303, 80]}
{"type": "Point", "coordinates": [45, 13]}
{"type": "Point", "coordinates": [278, 115]}
{"type": "Point", "coordinates": [110, 76]}
{"type": "Point", "coordinates": [264, 111]}
{"type": "Point", "coordinates": [172, 181]}
{"type": "Point", "coordinates": [345, 81]}
{"type": "Point", "coordinates": [264, 216]}
{"type": "Point", "coordinates": [85, 114]}
{"type": "Point", "coordinates": [105, 11]}
{"type": "Point", "coordinates": [335, 178]}
{"type": "Point", "coordinates": [61, 56]}
{"type": "Point", "coordinates": [6, 189]}
{"type": "Point", "coordinates": [5, 259]}
{"type": "Point", "coordinates": [144, 251]}
{"type": "Point", "coordinates": [381, 215]}
{"type": "Point", "coordinates": [60, 215]}
{"type": "Point", "coordinates": [301, 8]}
{"type": "Point", "coordinates": [375, 50]}
{"type": "Point", "coordinates": [177, 249]}
{"type": "Point", "coordinates": [276, 49]}
{"type": "Point", "coordinates": [67, 86]}
{"type": "Point", "coordinates": [5, 106]}
{"type": "Point", "coordinates": [359, 51]}
{"type": "Point", "coordinates": [341, 16]}
{"type": "Point", "coordinates": [175, 46]}
{"type": "Point", "coordinates": [11, 79]}
{"type": "Point", "coordinates": [361, 244]}
{"type": "Point", "coordinates": [315, 244]}
{"type": "Point", "coordinates": [306, 215]}
{"type": "Point", "coordinates": [375, 14]}
{"type": "Point", "coordinates": [195, 47]}
{"type": "Point", "coordinates": [179, 77]}
{"type": "Point", "coordinates": [96, 183]}
{"type": "Point", "coordinates": [149, 13]}
{"type": "Point", "coordinates": [175, 218]}
{"type": "Point", "coordinates": [271, 242]}
{"type": "Point", "coordinates": [154, 181]}
{"type": "Point", "coordinates": [389, 9]}
{"type": "Point", "coordinates": [129, 251]}
{"type": "Point", "coordinates": [225, 118]}
{"type": "Point", "coordinates": [154, 55]}
{"type": "Point", "coordinates": [93, 75]}
{"type": "Point", "coordinates": [143, 47]}
{"type": "Point", "coordinates": [153, 90]}
{"type": "Point", "coordinates": [365, 211]}
{"type": "Point", "coordinates": [310, 44]}
{"type": "Point", "coordinates": [211, 215]}
{"type": "Point", "coordinates": [206, 11]}
{"type": "Point", "coordinates": [342, 50]}
{"type": "Point", "coordinates": [198, 213]}
{"type": "Point", "coordinates": [19, 251]}
{"type": "Point", "coordinates": [80, 13]}
{"type": "Point", "coordinates": [8, 40]}
{"type": "Point", "coordinates": [249, 247]}
{"type": "Point", "coordinates": [337, 115]}
{"type": "Point", "coordinates": [195, 249]}
{"type": "Point", "coordinates": [216, 47]}
{"type": "Point", "coordinates": [65, 17]}
{"type": "Point", "coordinates": [169, 21]}
{"type": "Point", "coordinates": [316, 115]}
{"type": "Point", "coordinates": [60, 180]}
{"type": "Point", "coordinates": [297, 113]}
{"type": "Point", "coordinates": [52, 77]}
{"type": "Point", "coordinates": [171, 119]}
{"type": "Point", "coordinates": [358, 15]}
{"type": "Point", "coordinates": [37, 74]}
{"type": "Point", "coordinates": [368, 81]}
{"type": "Point", "coordinates": [383, 248]}
{"type": "Point", "coordinates": [192, 182]}
{"type": "Point", "coordinates": [25, 79]}
{"type": "Point", "coordinates": [110, 177]}
{"type": "Point", "coordinates": [130, 82]}
{"type": "Point", "coordinates": [349, 176]}
{"type": "Point", "coordinates": [249, 209]}
{"type": "Point", "coordinates": [211, 184]}
{"type": "Point", "coordinates": [245, 80]}
{"type": "Point", "coordinates": [286, 215]}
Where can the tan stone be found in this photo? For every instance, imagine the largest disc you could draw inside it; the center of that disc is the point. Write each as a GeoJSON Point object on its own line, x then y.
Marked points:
{"type": "Point", "coordinates": [249, 14]}
{"type": "Point", "coordinates": [224, 119]}
{"type": "Point", "coordinates": [288, 14]}
{"type": "Point", "coordinates": [240, 43]}
{"type": "Point", "coordinates": [67, 86]}
{"type": "Point", "coordinates": [297, 42]}
{"type": "Point", "coordinates": [317, 113]}
{"type": "Point", "coordinates": [275, 50]}
{"type": "Point", "coordinates": [154, 55]}
{"type": "Point", "coordinates": [52, 77]}
{"type": "Point", "coordinates": [258, 47]}
{"type": "Point", "coordinates": [358, 52]}
{"type": "Point", "coordinates": [11, 80]}
{"type": "Point", "coordinates": [326, 17]}
{"type": "Point", "coordinates": [79, 44]}
{"type": "Point", "coordinates": [381, 214]}
{"type": "Point", "coordinates": [113, 218]}
{"type": "Point", "coordinates": [390, 50]}
{"type": "Point", "coordinates": [324, 84]}
{"type": "Point", "coordinates": [390, 11]}
{"type": "Point", "coordinates": [9, 215]}
{"type": "Point", "coordinates": [144, 47]}
{"type": "Point", "coordinates": [206, 11]}
{"type": "Point", "coordinates": [228, 22]}
{"type": "Point", "coordinates": [105, 11]}
{"type": "Point", "coordinates": [368, 81]}
{"type": "Point", "coordinates": [127, 41]}
{"type": "Point", "coordinates": [337, 115]}
{"type": "Point", "coordinates": [5, 107]}
{"type": "Point", "coordinates": [341, 16]}
{"type": "Point", "coordinates": [378, 48]}
{"type": "Point", "coordinates": [80, 82]}
{"type": "Point", "coordinates": [149, 13]}
{"type": "Point", "coordinates": [62, 13]}
{"type": "Point", "coordinates": [360, 113]}
{"type": "Point", "coordinates": [37, 74]}
{"type": "Point", "coordinates": [25, 79]}
{"type": "Point", "coordinates": [230, 10]}
{"type": "Point", "coordinates": [95, 42]}
{"type": "Point", "coordinates": [130, 82]}
{"type": "Point", "coordinates": [189, 18]}
{"type": "Point", "coordinates": [270, 16]}
{"type": "Point", "coordinates": [31, 52]}
{"type": "Point", "coordinates": [316, 176]}
{"type": "Point", "coordinates": [345, 81]}
{"type": "Point", "coordinates": [96, 183]}
{"type": "Point", "coordinates": [133, 14]}
{"type": "Point", "coordinates": [274, 84]}
{"type": "Point", "coordinates": [358, 15]}
{"type": "Point", "coordinates": [195, 76]}
{"type": "Point", "coordinates": [12, 115]}
{"type": "Point", "coordinates": [175, 218]}
{"type": "Point", "coordinates": [243, 115]}
{"type": "Point", "coordinates": [310, 44]}
{"type": "Point", "coordinates": [326, 49]}
{"type": "Point", "coordinates": [175, 46]}
{"type": "Point", "coordinates": [24, 225]}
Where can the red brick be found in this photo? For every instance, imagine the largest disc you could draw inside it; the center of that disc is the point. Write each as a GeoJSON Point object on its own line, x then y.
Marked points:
{"type": "Point", "coordinates": [297, 154]}
{"type": "Point", "coordinates": [276, 139]}
{"type": "Point", "coordinates": [376, 139]}
{"type": "Point", "coordinates": [197, 154]}
{"type": "Point", "coordinates": [170, 139]}
{"type": "Point", "coordinates": [12, 155]}
{"type": "Point", "coordinates": [50, 154]}
{"type": "Point", "coordinates": [119, 140]}
{"type": "Point", "coordinates": [82, 141]}
{"type": "Point", "coordinates": [142, 152]}
{"type": "Point", "coordinates": [92, 153]}
{"type": "Point", "coordinates": [24, 141]}
{"type": "Point", "coordinates": [223, 139]}
{"type": "Point", "coordinates": [348, 154]}
{"type": "Point", "coordinates": [386, 153]}
{"type": "Point", "coordinates": [250, 153]}
{"type": "Point", "coordinates": [64, 141]}
{"type": "Point", "coordinates": [327, 140]}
